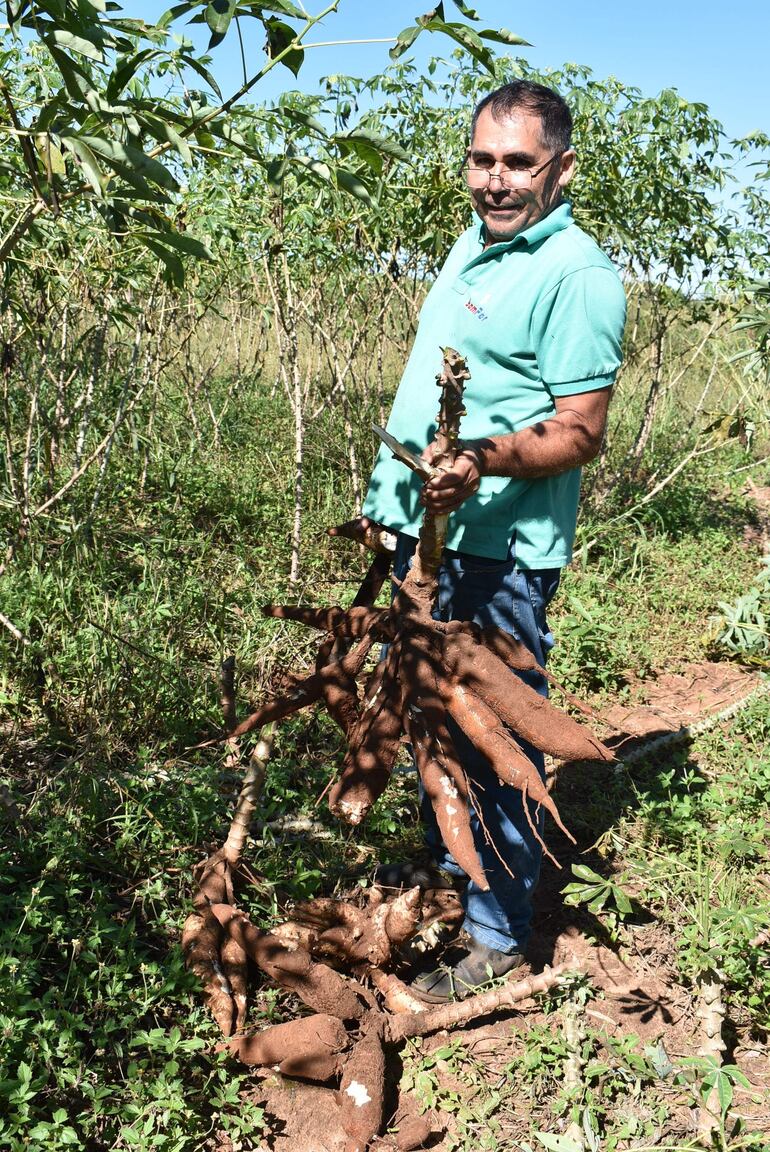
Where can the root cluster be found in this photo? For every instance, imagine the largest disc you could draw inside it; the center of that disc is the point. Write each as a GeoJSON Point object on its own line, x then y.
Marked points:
{"type": "Point", "coordinates": [355, 1018]}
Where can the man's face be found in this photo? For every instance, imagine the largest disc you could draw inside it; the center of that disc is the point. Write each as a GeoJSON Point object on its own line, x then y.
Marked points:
{"type": "Point", "coordinates": [514, 142]}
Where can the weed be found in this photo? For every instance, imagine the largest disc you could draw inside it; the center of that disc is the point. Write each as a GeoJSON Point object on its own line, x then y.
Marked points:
{"type": "Point", "coordinates": [698, 844]}
{"type": "Point", "coordinates": [606, 898]}
{"type": "Point", "coordinates": [621, 1094]}
{"type": "Point", "coordinates": [743, 628]}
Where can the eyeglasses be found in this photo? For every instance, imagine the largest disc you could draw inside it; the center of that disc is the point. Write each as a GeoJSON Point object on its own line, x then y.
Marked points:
{"type": "Point", "coordinates": [509, 177]}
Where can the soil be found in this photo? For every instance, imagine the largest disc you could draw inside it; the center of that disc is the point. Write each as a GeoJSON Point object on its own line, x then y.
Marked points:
{"type": "Point", "coordinates": [675, 705]}
{"type": "Point", "coordinates": [757, 534]}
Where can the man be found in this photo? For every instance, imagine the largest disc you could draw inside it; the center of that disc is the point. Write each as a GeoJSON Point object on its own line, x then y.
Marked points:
{"type": "Point", "coordinates": [538, 311]}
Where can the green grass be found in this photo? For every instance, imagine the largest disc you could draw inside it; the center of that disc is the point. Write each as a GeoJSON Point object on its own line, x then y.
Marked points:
{"type": "Point", "coordinates": [640, 597]}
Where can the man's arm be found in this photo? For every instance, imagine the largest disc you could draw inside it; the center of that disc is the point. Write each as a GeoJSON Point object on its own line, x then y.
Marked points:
{"type": "Point", "coordinates": [569, 438]}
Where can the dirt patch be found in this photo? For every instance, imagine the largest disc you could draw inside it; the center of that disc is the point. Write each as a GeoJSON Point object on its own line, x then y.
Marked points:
{"type": "Point", "coordinates": [678, 704]}
{"type": "Point", "coordinates": [757, 535]}
{"type": "Point", "coordinates": [633, 991]}
{"type": "Point", "coordinates": [302, 1117]}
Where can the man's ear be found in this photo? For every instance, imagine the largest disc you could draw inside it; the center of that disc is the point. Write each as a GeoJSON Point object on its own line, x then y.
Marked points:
{"type": "Point", "coordinates": [566, 167]}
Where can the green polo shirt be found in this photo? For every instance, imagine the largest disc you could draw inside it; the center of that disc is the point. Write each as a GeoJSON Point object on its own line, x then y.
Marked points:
{"type": "Point", "coordinates": [536, 317]}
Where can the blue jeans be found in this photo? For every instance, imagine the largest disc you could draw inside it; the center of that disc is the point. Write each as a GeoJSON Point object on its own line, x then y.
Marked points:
{"type": "Point", "coordinates": [490, 592]}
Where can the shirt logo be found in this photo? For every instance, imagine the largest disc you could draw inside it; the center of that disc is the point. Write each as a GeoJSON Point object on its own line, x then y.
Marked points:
{"type": "Point", "coordinates": [476, 309]}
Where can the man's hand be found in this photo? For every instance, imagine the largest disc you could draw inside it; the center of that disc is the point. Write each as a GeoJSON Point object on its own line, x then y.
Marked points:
{"type": "Point", "coordinates": [447, 491]}
{"type": "Point", "coordinates": [568, 439]}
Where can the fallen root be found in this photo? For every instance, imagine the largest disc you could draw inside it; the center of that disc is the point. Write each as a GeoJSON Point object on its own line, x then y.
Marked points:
{"type": "Point", "coordinates": [347, 1035]}
{"type": "Point", "coordinates": [359, 938]}
{"type": "Point", "coordinates": [413, 1134]}
{"type": "Point", "coordinates": [362, 1087]}
{"type": "Point", "coordinates": [201, 938]}
{"type": "Point", "coordinates": [212, 951]}
{"type": "Point", "coordinates": [317, 985]}
{"type": "Point", "coordinates": [396, 997]}
{"type": "Point", "coordinates": [312, 1047]}
{"type": "Point", "coordinates": [216, 948]}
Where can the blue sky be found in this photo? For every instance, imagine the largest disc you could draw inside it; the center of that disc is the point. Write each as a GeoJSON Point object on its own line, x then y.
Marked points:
{"type": "Point", "coordinates": [712, 52]}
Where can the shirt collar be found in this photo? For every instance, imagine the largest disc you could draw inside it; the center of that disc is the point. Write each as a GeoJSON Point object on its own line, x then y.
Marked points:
{"type": "Point", "coordinates": [556, 220]}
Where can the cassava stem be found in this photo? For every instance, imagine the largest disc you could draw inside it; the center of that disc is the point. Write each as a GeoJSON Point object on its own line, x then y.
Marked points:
{"type": "Point", "coordinates": [450, 1015]}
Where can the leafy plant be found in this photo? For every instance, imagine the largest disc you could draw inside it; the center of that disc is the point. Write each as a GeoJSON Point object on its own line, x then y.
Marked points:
{"type": "Point", "coordinates": [742, 628]}
{"type": "Point", "coordinates": [471, 1101]}
{"type": "Point", "coordinates": [591, 651]}
{"type": "Point", "coordinates": [712, 1080]}
{"type": "Point", "coordinates": [755, 320]}
{"type": "Point", "coordinates": [606, 898]}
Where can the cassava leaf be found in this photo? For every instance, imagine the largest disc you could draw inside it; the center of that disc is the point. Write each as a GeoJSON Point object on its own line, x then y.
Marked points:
{"type": "Point", "coordinates": [467, 11]}
{"type": "Point", "coordinates": [165, 133]}
{"type": "Point", "coordinates": [404, 41]}
{"type": "Point", "coordinates": [368, 140]}
{"type": "Point", "coordinates": [171, 261]}
{"type": "Point", "coordinates": [219, 14]}
{"type": "Point", "coordinates": [189, 245]}
{"type": "Point", "coordinates": [466, 38]}
{"type": "Point", "coordinates": [203, 72]}
{"type": "Point", "coordinates": [149, 168]}
{"type": "Point", "coordinates": [297, 116]}
{"type": "Point", "coordinates": [72, 43]}
{"type": "Point", "coordinates": [126, 70]}
{"type": "Point", "coordinates": [724, 1092]}
{"type": "Point", "coordinates": [174, 13]}
{"type": "Point", "coordinates": [88, 162]}
{"type": "Point", "coordinates": [316, 167]}
{"type": "Point", "coordinates": [503, 36]}
{"type": "Point", "coordinates": [51, 153]}
{"type": "Point", "coordinates": [622, 902]}
{"type": "Point", "coordinates": [364, 151]}
{"type": "Point", "coordinates": [286, 7]}
{"type": "Point", "coordinates": [583, 872]}
{"type": "Point", "coordinates": [279, 36]}
{"type": "Point", "coordinates": [76, 80]}
{"type": "Point", "coordinates": [51, 111]}
{"type": "Point", "coordinates": [463, 35]}
{"type": "Point", "coordinates": [355, 186]}
{"type": "Point", "coordinates": [131, 177]}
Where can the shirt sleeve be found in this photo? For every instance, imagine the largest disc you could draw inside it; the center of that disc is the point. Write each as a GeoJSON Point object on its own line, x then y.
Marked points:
{"type": "Point", "coordinates": [578, 331]}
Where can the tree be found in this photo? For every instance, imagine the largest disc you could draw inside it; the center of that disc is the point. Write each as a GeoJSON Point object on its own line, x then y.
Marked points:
{"type": "Point", "coordinates": [86, 112]}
